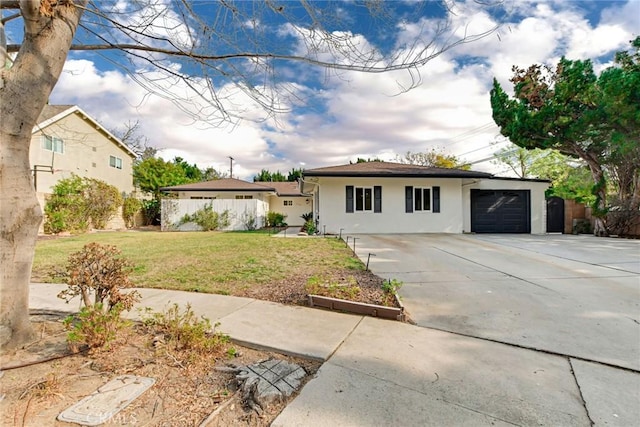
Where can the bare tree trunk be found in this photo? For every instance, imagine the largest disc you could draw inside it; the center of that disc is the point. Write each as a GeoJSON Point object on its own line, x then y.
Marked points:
{"type": "Point", "coordinates": [20, 217]}
{"type": "Point", "coordinates": [24, 90]}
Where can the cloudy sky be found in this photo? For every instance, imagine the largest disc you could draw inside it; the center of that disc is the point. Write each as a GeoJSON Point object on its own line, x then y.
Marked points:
{"type": "Point", "coordinates": [334, 117]}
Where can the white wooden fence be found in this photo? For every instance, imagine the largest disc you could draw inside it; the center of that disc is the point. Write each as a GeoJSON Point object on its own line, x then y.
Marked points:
{"type": "Point", "coordinates": [240, 211]}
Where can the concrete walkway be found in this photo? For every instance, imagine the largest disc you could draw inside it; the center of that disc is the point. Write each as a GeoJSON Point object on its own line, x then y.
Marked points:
{"type": "Point", "coordinates": [379, 372]}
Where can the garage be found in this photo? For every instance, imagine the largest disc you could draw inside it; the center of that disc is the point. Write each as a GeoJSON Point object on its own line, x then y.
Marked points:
{"type": "Point", "coordinates": [500, 211]}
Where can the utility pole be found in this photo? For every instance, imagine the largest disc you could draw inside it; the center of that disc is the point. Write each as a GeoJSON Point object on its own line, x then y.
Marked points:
{"type": "Point", "coordinates": [231, 167]}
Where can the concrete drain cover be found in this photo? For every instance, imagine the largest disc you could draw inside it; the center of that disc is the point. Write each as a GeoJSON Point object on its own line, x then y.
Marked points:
{"type": "Point", "coordinates": [100, 406]}
{"type": "Point", "coordinates": [270, 380]}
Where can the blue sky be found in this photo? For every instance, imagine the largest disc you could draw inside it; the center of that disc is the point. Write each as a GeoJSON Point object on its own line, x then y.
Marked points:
{"type": "Point", "coordinates": [336, 117]}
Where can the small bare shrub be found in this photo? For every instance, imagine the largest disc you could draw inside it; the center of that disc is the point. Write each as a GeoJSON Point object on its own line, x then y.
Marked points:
{"type": "Point", "coordinates": [97, 270]}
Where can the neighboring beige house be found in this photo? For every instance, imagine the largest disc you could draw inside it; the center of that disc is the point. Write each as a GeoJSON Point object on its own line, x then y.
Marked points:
{"type": "Point", "coordinates": [68, 141]}
{"type": "Point", "coordinates": [383, 197]}
{"type": "Point", "coordinates": [257, 198]}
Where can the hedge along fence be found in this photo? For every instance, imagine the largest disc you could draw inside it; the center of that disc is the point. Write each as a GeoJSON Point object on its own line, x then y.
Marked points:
{"type": "Point", "coordinates": [242, 214]}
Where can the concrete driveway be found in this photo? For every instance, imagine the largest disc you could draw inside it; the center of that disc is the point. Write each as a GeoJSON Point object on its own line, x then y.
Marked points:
{"type": "Point", "coordinates": [571, 295]}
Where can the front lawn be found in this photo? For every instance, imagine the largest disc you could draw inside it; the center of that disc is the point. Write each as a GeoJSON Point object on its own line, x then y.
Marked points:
{"type": "Point", "coordinates": [252, 264]}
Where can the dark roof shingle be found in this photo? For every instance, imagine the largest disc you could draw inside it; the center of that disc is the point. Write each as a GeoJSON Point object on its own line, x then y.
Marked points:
{"type": "Point", "coordinates": [389, 169]}
{"type": "Point", "coordinates": [232, 184]}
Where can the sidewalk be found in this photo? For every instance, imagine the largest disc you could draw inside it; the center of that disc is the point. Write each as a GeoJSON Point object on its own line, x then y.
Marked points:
{"type": "Point", "coordinates": [380, 372]}
{"type": "Point", "coordinates": [293, 330]}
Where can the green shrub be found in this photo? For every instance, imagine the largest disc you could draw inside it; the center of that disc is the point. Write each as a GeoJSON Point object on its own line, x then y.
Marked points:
{"type": "Point", "coordinates": [94, 327]}
{"type": "Point", "coordinates": [208, 219]}
{"type": "Point", "coordinates": [249, 221]}
{"type": "Point", "coordinates": [103, 201]}
{"type": "Point", "coordinates": [390, 289]}
{"type": "Point", "coordinates": [151, 211]}
{"type": "Point", "coordinates": [391, 286]}
{"type": "Point", "coordinates": [183, 330]}
{"type": "Point", "coordinates": [309, 227]}
{"type": "Point", "coordinates": [66, 208]}
{"type": "Point", "coordinates": [130, 208]}
{"type": "Point", "coordinates": [78, 202]}
{"type": "Point", "coordinates": [276, 219]}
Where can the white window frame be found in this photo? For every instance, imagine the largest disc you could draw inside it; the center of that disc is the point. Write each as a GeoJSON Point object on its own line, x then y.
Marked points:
{"type": "Point", "coordinates": [243, 197]}
{"type": "Point", "coordinates": [420, 190]}
{"type": "Point", "coordinates": [287, 203]}
{"type": "Point", "coordinates": [116, 163]}
{"type": "Point", "coordinates": [362, 199]}
{"type": "Point", "coordinates": [52, 143]}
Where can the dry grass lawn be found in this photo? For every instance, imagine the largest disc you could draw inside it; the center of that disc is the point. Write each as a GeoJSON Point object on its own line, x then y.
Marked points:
{"type": "Point", "coordinates": [252, 264]}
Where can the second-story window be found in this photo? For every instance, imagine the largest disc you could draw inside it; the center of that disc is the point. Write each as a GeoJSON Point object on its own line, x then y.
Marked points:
{"type": "Point", "coordinates": [51, 143]}
{"type": "Point", "coordinates": [115, 162]}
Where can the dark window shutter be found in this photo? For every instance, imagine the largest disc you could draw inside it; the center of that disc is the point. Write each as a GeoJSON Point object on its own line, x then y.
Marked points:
{"type": "Point", "coordinates": [377, 198]}
{"type": "Point", "coordinates": [349, 198]}
{"type": "Point", "coordinates": [408, 199]}
{"type": "Point", "coordinates": [435, 191]}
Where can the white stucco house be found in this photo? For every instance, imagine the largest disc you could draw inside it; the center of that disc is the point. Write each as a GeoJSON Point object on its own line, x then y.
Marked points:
{"type": "Point", "coordinates": [384, 197]}
{"type": "Point", "coordinates": [239, 198]}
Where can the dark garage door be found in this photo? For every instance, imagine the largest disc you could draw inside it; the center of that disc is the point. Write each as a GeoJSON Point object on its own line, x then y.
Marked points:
{"type": "Point", "coordinates": [500, 211]}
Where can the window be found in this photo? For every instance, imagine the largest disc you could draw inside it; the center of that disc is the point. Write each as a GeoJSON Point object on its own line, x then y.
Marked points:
{"type": "Point", "coordinates": [240, 197]}
{"type": "Point", "coordinates": [363, 199]}
{"type": "Point", "coordinates": [115, 162]}
{"type": "Point", "coordinates": [288, 202]}
{"type": "Point", "coordinates": [51, 143]}
{"type": "Point", "coordinates": [422, 199]}
{"type": "Point", "coordinates": [201, 198]}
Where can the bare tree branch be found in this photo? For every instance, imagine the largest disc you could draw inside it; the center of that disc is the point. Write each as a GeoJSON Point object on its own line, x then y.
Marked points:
{"type": "Point", "coordinates": [9, 4]}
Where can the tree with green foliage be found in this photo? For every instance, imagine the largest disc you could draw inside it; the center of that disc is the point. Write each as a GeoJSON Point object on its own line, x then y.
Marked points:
{"type": "Point", "coordinates": [581, 115]}
{"type": "Point", "coordinates": [435, 158]}
{"type": "Point", "coordinates": [294, 174]}
{"type": "Point", "coordinates": [570, 178]}
{"type": "Point", "coordinates": [267, 176]}
{"type": "Point", "coordinates": [151, 174]}
{"type": "Point", "coordinates": [191, 172]}
{"type": "Point", "coordinates": [620, 94]}
{"type": "Point", "coordinates": [211, 174]}
{"type": "Point", "coordinates": [518, 159]}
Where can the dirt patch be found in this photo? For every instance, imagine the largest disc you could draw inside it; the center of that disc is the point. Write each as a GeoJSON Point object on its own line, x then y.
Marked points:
{"type": "Point", "coordinates": [187, 391]}
{"type": "Point", "coordinates": [292, 290]}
